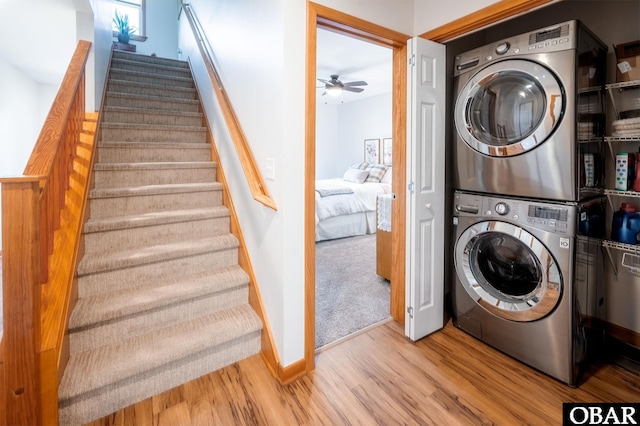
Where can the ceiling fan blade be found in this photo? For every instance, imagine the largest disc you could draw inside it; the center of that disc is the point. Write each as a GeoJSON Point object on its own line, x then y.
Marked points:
{"type": "Point", "coordinates": [327, 81]}
{"type": "Point", "coordinates": [356, 83]}
{"type": "Point", "coordinates": [352, 89]}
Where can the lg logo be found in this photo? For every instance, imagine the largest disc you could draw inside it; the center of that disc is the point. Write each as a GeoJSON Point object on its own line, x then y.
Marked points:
{"type": "Point", "coordinates": [601, 414]}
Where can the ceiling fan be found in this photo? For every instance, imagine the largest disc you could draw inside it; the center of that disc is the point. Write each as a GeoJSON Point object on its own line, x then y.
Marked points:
{"type": "Point", "coordinates": [334, 87]}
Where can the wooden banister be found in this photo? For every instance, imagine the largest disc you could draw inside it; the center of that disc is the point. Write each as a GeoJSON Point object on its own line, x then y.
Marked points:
{"type": "Point", "coordinates": [251, 171]}
{"type": "Point", "coordinates": [39, 215]}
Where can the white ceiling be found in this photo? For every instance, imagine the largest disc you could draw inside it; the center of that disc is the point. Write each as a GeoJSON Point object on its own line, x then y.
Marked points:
{"type": "Point", "coordinates": [352, 60]}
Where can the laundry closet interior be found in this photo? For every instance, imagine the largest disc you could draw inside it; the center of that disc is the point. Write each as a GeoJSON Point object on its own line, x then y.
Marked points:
{"type": "Point", "coordinates": [552, 186]}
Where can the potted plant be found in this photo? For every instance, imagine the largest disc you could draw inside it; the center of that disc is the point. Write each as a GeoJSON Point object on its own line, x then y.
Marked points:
{"type": "Point", "coordinates": [122, 24]}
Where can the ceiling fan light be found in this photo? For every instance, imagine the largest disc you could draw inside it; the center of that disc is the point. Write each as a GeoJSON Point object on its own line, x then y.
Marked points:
{"type": "Point", "coordinates": [334, 91]}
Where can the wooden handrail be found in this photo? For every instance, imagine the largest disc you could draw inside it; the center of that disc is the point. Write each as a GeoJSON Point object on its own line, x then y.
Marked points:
{"type": "Point", "coordinates": [251, 171]}
{"type": "Point", "coordinates": [39, 214]}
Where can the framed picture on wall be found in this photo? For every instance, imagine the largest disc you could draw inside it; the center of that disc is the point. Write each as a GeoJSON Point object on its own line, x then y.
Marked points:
{"type": "Point", "coordinates": [372, 151]}
{"type": "Point", "coordinates": [387, 148]}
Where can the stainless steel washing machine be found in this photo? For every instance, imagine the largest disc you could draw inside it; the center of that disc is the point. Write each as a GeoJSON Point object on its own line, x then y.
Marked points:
{"type": "Point", "coordinates": [526, 281]}
{"type": "Point", "coordinates": [529, 115]}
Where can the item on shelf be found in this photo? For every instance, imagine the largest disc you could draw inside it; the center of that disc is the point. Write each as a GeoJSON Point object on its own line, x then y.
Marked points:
{"type": "Point", "coordinates": [636, 182]}
{"type": "Point", "coordinates": [589, 170]}
{"type": "Point", "coordinates": [625, 226]}
{"type": "Point", "coordinates": [625, 170]}
{"type": "Point", "coordinates": [628, 61]}
{"type": "Point", "coordinates": [591, 220]}
{"type": "Point", "coordinates": [628, 127]}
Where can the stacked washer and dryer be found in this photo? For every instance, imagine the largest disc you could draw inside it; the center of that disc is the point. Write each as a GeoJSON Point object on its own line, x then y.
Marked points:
{"type": "Point", "coordinates": [528, 206]}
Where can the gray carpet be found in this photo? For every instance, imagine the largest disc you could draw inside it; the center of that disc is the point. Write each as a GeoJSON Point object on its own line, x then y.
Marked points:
{"type": "Point", "coordinates": [349, 294]}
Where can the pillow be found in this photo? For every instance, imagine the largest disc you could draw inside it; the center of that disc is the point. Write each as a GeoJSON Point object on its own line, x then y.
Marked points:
{"type": "Point", "coordinates": [355, 175]}
{"type": "Point", "coordinates": [387, 176]}
{"type": "Point", "coordinates": [361, 166]}
{"type": "Point", "coordinates": [376, 172]}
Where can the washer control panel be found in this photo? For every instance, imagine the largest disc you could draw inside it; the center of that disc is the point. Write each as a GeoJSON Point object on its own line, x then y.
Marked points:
{"type": "Point", "coordinates": [557, 218]}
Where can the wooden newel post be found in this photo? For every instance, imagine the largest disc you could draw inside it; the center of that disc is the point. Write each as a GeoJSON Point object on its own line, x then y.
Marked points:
{"type": "Point", "coordinates": [21, 295]}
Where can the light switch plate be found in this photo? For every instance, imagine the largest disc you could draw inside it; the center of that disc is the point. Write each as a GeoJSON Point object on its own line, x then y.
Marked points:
{"type": "Point", "coordinates": [270, 168]}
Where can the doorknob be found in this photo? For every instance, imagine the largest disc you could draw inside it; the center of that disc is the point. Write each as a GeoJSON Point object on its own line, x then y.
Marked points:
{"type": "Point", "coordinates": [428, 205]}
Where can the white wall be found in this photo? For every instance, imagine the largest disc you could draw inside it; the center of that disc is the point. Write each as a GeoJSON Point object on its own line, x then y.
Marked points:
{"type": "Point", "coordinates": [342, 128]}
{"type": "Point", "coordinates": [430, 14]}
{"type": "Point", "coordinates": [327, 147]}
{"type": "Point", "coordinates": [162, 29]}
{"type": "Point", "coordinates": [359, 120]}
{"type": "Point", "coordinates": [260, 50]}
{"type": "Point", "coordinates": [21, 105]}
{"type": "Point", "coordinates": [411, 17]}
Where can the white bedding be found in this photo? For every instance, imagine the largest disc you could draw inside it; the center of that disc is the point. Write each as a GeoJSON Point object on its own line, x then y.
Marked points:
{"type": "Point", "coordinates": [348, 205]}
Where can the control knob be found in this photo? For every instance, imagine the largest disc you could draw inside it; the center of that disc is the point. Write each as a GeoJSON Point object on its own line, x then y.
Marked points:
{"type": "Point", "coordinates": [502, 208]}
{"type": "Point", "coordinates": [503, 48]}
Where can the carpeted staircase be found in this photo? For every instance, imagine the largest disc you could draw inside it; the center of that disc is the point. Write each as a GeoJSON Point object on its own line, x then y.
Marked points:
{"type": "Point", "coordinates": [161, 298]}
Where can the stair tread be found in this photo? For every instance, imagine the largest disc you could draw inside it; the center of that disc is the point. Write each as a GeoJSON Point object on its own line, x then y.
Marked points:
{"type": "Point", "coordinates": [163, 127]}
{"type": "Point", "coordinates": [154, 76]}
{"type": "Point", "coordinates": [153, 218]}
{"type": "Point", "coordinates": [128, 61]}
{"type": "Point", "coordinates": [91, 370]}
{"type": "Point", "coordinates": [155, 165]}
{"type": "Point", "coordinates": [102, 262]}
{"type": "Point", "coordinates": [149, 85]}
{"type": "Point", "coordinates": [137, 57]}
{"type": "Point", "coordinates": [153, 145]}
{"type": "Point", "coordinates": [104, 307]}
{"type": "Point", "coordinates": [154, 111]}
{"type": "Point", "coordinates": [138, 96]}
{"type": "Point", "coordinates": [173, 188]}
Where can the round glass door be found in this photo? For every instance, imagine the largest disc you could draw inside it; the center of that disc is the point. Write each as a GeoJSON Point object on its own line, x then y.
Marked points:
{"type": "Point", "coordinates": [509, 107]}
{"type": "Point", "coordinates": [508, 271]}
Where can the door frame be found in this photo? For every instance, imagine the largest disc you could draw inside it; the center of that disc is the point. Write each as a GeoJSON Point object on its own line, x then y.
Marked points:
{"type": "Point", "coordinates": [319, 16]}
{"type": "Point", "coordinates": [333, 20]}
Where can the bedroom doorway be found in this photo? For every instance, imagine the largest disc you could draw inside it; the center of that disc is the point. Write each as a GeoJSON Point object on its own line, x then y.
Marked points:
{"type": "Point", "coordinates": [353, 168]}
{"type": "Point", "coordinates": [322, 17]}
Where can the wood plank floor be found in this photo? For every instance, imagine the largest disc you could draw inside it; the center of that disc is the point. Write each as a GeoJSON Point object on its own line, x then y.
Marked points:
{"type": "Point", "coordinates": [380, 377]}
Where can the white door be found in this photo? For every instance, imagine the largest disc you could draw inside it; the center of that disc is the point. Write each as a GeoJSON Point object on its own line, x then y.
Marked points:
{"type": "Point", "coordinates": [426, 187]}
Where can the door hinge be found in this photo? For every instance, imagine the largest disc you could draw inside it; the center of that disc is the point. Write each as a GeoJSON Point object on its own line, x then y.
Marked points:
{"type": "Point", "coordinates": [412, 60]}
{"type": "Point", "coordinates": [410, 187]}
{"type": "Point", "coordinates": [410, 311]}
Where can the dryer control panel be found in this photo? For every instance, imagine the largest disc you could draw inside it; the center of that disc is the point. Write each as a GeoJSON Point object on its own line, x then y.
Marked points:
{"type": "Point", "coordinates": [550, 39]}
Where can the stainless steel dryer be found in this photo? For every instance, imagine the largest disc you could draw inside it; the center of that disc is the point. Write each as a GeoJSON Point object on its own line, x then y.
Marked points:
{"type": "Point", "coordinates": [529, 115]}
{"type": "Point", "coordinates": [526, 283]}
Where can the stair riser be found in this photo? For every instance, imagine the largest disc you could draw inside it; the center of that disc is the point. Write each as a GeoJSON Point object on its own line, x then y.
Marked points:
{"type": "Point", "coordinates": [146, 117]}
{"type": "Point", "coordinates": [126, 134]}
{"type": "Point", "coordinates": [119, 395]}
{"type": "Point", "coordinates": [145, 155]}
{"type": "Point", "coordinates": [123, 178]}
{"type": "Point", "coordinates": [119, 279]}
{"type": "Point", "coordinates": [126, 239]}
{"type": "Point", "coordinates": [155, 104]}
{"type": "Point", "coordinates": [124, 206]}
{"type": "Point", "coordinates": [150, 79]}
{"type": "Point", "coordinates": [151, 69]}
{"type": "Point", "coordinates": [150, 59]}
{"type": "Point", "coordinates": [146, 322]}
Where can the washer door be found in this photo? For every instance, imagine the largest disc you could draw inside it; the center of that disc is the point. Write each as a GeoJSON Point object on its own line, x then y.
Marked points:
{"type": "Point", "coordinates": [507, 271]}
{"type": "Point", "coordinates": [509, 108]}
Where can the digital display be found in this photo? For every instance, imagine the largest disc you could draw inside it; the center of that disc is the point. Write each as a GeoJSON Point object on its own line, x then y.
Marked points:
{"type": "Point", "coordinates": [548, 213]}
{"type": "Point", "coordinates": [549, 34]}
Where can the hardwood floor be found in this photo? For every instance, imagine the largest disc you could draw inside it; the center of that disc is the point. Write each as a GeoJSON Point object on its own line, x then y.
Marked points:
{"type": "Point", "coordinates": [380, 377]}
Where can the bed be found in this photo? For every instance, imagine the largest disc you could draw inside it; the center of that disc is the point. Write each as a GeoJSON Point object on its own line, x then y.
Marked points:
{"type": "Point", "coordinates": [346, 207]}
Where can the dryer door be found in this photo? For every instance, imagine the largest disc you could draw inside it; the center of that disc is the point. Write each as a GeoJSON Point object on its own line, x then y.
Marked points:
{"type": "Point", "coordinates": [508, 271]}
{"type": "Point", "coordinates": [509, 108]}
